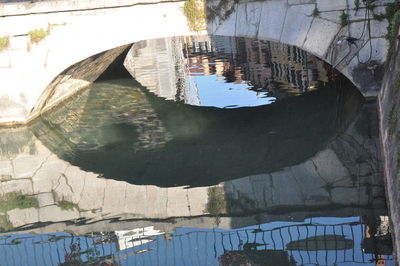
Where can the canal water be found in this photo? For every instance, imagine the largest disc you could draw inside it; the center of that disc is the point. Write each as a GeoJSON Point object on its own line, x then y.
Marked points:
{"type": "Point", "coordinates": [205, 150]}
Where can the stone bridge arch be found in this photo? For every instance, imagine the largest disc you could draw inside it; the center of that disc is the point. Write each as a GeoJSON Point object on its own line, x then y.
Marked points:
{"type": "Point", "coordinates": [78, 32]}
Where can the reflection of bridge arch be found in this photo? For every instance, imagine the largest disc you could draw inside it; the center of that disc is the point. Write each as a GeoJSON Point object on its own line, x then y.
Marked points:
{"type": "Point", "coordinates": [85, 30]}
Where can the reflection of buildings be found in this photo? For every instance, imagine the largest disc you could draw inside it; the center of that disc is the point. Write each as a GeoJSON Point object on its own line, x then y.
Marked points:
{"type": "Point", "coordinates": [136, 237]}
{"type": "Point", "coordinates": [165, 66]}
{"type": "Point", "coordinates": [160, 66]}
{"type": "Point", "coordinates": [268, 66]}
{"type": "Point", "coordinates": [311, 242]}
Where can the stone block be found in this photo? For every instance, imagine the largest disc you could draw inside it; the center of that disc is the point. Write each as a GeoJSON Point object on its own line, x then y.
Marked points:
{"type": "Point", "coordinates": [224, 27]}
{"type": "Point", "coordinates": [6, 170]}
{"type": "Point", "coordinates": [136, 202]}
{"type": "Point", "coordinates": [20, 217]}
{"type": "Point", "coordinates": [54, 213]}
{"type": "Point", "coordinates": [45, 199]}
{"type": "Point", "coordinates": [19, 43]}
{"type": "Point", "coordinates": [19, 185]}
{"type": "Point", "coordinates": [156, 201]}
{"type": "Point", "coordinates": [92, 194]}
{"type": "Point", "coordinates": [297, 24]}
{"type": "Point", "coordinates": [329, 167]}
{"type": "Point", "coordinates": [272, 20]}
{"type": "Point", "coordinates": [314, 42]}
{"type": "Point", "coordinates": [115, 197]}
{"type": "Point", "coordinates": [198, 198]}
{"type": "Point", "coordinates": [329, 5]}
{"type": "Point", "coordinates": [177, 204]}
{"type": "Point", "coordinates": [300, 2]}
{"type": "Point", "coordinates": [248, 19]}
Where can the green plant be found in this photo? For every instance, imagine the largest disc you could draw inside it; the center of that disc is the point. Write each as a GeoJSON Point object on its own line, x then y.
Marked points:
{"type": "Point", "coordinates": [66, 205]}
{"type": "Point", "coordinates": [315, 12]}
{"type": "Point", "coordinates": [5, 224]}
{"type": "Point", "coordinates": [216, 201]}
{"type": "Point", "coordinates": [344, 19]}
{"type": "Point", "coordinates": [37, 35]}
{"type": "Point", "coordinates": [392, 120]}
{"type": "Point", "coordinates": [379, 17]}
{"type": "Point", "coordinates": [356, 5]}
{"type": "Point", "coordinates": [392, 32]}
{"type": "Point", "coordinates": [15, 200]}
{"type": "Point", "coordinates": [57, 24]}
{"type": "Point", "coordinates": [195, 14]}
{"type": "Point", "coordinates": [4, 43]}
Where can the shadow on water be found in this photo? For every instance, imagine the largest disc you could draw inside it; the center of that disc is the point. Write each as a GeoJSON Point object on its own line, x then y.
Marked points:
{"type": "Point", "coordinates": [125, 133]}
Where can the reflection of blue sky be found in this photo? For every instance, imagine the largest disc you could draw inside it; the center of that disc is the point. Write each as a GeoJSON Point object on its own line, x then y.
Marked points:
{"type": "Point", "coordinates": [194, 246]}
{"type": "Point", "coordinates": [214, 91]}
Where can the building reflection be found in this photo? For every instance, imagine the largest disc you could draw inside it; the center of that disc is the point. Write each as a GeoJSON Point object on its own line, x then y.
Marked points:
{"type": "Point", "coordinates": [167, 67]}
{"type": "Point", "coordinates": [312, 241]}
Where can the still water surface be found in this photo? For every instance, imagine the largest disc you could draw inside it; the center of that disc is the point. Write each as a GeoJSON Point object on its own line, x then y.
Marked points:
{"type": "Point", "coordinates": [213, 151]}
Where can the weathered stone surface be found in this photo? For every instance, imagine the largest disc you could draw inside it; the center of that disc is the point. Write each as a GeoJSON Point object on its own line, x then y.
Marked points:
{"type": "Point", "coordinates": [6, 170]}
{"type": "Point", "coordinates": [155, 201]}
{"type": "Point", "coordinates": [48, 174]}
{"type": "Point", "coordinates": [248, 19]}
{"type": "Point", "coordinates": [224, 27]}
{"type": "Point", "coordinates": [178, 204]}
{"type": "Point", "coordinates": [328, 5]}
{"type": "Point", "coordinates": [300, 2]}
{"type": "Point", "coordinates": [272, 20]}
{"type": "Point", "coordinates": [297, 24]}
{"type": "Point", "coordinates": [45, 199]}
{"type": "Point", "coordinates": [20, 185]}
{"type": "Point", "coordinates": [115, 197]}
{"type": "Point", "coordinates": [316, 44]}
{"type": "Point", "coordinates": [20, 217]}
{"type": "Point", "coordinates": [54, 213]}
{"type": "Point", "coordinates": [92, 194]}
{"type": "Point", "coordinates": [197, 198]}
{"type": "Point", "coordinates": [137, 203]}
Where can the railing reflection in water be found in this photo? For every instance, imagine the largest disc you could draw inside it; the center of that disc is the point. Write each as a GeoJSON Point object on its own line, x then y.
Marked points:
{"type": "Point", "coordinates": [277, 243]}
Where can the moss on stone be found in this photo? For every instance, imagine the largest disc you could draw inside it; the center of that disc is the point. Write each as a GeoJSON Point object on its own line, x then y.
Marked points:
{"type": "Point", "coordinates": [392, 120]}
{"type": "Point", "coordinates": [66, 205]}
{"type": "Point", "coordinates": [5, 224]}
{"type": "Point", "coordinates": [4, 43]}
{"type": "Point", "coordinates": [38, 35]}
{"type": "Point", "coordinates": [344, 19]}
{"type": "Point", "coordinates": [315, 12]}
{"type": "Point", "coordinates": [15, 200]}
{"type": "Point", "coordinates": [393, 17]}
{"type": "Point", "coordinates": [216, 201]}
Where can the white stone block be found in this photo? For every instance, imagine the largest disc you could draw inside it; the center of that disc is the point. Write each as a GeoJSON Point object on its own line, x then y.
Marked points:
{"type": "Point", "coordinates": [329, 5]}
{"type": "Point", "coordinates": [317, 44]}
{"type": "Point", "coordinates": [272, 20]}
{"type": "Point", "coordinates": [54, 213]}
{"type": "Point", "coordinates": [20, 217]}
{"type": "Point", "coordinates": [297, 23]}
{"type": "Point", "coordinates": [45, 199]}
{"type": "Point", "coordinates": [248, 19]}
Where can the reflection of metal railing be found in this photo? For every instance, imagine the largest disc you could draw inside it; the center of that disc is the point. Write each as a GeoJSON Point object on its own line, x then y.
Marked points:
{"type": "Point", "coordinates": [303, 244]}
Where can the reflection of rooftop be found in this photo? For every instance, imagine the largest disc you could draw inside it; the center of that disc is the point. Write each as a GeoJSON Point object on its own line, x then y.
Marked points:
{"type": "Point", "coordinates": [135, 237]}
